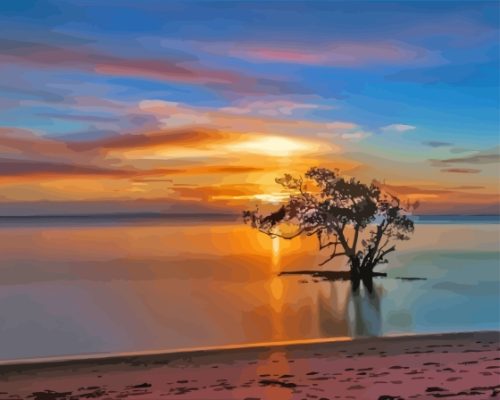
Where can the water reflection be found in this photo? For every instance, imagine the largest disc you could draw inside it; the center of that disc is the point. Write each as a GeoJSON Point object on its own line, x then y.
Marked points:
{"type": "Point", "coordinates": [332, 303]}
{"type": "Point", "coordinates": [364, 312]}
{"type": "Point", "coordinates": [303, 307]}
{"type": "Point", "coordinates": [343, 308]}
{"type": "Point", "coordinates": [144, 287]}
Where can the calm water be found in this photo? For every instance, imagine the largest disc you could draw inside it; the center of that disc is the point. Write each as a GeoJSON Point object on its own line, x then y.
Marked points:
{"type": "Point", "coordinates": [73, 287]}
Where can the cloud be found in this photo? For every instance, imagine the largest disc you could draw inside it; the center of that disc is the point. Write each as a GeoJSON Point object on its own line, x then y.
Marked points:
{"type": "Point", "coordinates": [354, 136]}
{"type": "Point", "coordinates": [110, 206]}
{"type": "Point", "coordinates": [461, 170]}
{"type": "Point", "coordinates": [206, 169]}
{"type": "Point", "coordinates": [272, 108]}
{"type": "Point", "coordinates": [26, 91]}
{"type": "Point", "coordinates": [85, 58]}
{"type": "Point", "coordinates": [208, 192]}
{"type": "Point", "coordinates": [171, 125]}
{"type": "Point", "coordinates": [233, 169]}
{"type": "Point", "coordinates": [240, 119]}
{"type": "Point", "coordinates": [73, 117]}
{"type": "Point", "coordinates": [170, 69]}
{"type": "Point", "coordinates": [22, 168]}
{"type": "Point", "coordinates": [433, 143]}
{"type": "Point", "coordinates": [436, 198]}
{"type": "Point", "coordinates": [475, 159]}
{"type": "Point", "coordinates": [24, 153]}
{"type": "Point", "coordinates": [152, 180]}
{"type": "Point", "coordinates": [427, 190]}
{"type": "Point", "coordinates": [338, 54]}
{"type": "Point", "coordinates": [152, 155]}
{"type": "Point", "coordinates": [18, 168]}
{"type": "Point", "coordinates": [189, 137]}
{"type": "Point", "coordinates": [17, 142]}
{"type": "Point", "coordinates": [397, 128]}
{"type": "Point", "coordinates": [411, 190]}
{"type": "Point", "coordinates": [468, 187]}
{"type": "Point", "coordinates": [490, 156]}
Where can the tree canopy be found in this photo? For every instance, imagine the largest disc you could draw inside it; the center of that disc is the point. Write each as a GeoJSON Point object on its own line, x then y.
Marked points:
{"type": "Point", "coordinates": [349, 218]}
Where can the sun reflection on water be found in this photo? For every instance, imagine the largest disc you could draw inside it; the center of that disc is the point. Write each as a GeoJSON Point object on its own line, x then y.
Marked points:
{"type": "Point", "coordinates": [276, 289]}
{"type": "Point", "coordinates": [276, 254]}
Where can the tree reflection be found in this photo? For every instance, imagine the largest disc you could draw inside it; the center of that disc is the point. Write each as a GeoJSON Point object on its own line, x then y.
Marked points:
{"type": "Point", "coordinates": [364, 311]}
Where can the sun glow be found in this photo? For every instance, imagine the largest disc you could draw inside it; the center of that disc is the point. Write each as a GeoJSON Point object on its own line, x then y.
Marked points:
{"type": "Point", "coordinates": [273, 198]}
{"type": "Point", "coordinates": [273, 145]}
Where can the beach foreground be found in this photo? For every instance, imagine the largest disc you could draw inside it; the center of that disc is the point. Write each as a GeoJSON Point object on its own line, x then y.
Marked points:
{"type": "Point", "coordinates": [456, 366]}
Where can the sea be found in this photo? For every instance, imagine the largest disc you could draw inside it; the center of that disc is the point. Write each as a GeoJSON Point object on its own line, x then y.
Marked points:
{"type": "Point", "coordinates": [102, 285]}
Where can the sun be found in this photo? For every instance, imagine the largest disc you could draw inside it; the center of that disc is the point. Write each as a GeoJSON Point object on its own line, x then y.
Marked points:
{"type": "Point", "coordinates": [273, 146]}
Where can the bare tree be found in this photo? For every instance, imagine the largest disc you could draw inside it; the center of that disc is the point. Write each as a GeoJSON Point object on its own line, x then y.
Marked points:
{"type": "Point", "coordinates": [350, 219]}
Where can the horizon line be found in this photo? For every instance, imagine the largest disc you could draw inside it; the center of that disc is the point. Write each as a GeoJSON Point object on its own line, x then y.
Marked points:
{"type": "Point", "coordinates": [126, 214]}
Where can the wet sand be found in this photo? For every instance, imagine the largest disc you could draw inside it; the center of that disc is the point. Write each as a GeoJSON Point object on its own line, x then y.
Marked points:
{"type": "Point", "coordinates": [455, 366]}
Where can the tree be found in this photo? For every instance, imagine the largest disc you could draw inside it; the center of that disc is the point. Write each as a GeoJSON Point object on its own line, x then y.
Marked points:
{"type": "Point", "coordinates": [349, 218]}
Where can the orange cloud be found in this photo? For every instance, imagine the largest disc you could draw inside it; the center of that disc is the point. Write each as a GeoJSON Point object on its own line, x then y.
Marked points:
{"type": "Point", "coordinates": [28, 169]}
{"type": "Point", "coordinates": [22, 142]}
{"type": "Point", "coordinates": [444, 199]}
{"type": "Point", "coordinates": [188, 137]}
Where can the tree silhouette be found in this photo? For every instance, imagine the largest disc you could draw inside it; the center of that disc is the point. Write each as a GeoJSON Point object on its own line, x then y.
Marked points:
{"type": "Point", "coordinates": [349, 218]}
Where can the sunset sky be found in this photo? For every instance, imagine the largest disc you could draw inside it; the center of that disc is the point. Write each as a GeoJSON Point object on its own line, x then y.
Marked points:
{"type": "Point", "coordinates": [177, 106]}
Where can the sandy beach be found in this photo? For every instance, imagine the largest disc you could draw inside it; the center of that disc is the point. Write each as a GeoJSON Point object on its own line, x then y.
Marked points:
{"type": "Point", "coordinates": [456, 366]}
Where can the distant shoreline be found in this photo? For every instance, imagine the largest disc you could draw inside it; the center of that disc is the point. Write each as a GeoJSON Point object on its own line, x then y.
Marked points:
{"type": "Point", "coordinates": [205, 215]}
{"type": "Point", "coordinates": [123, 215]}
{"type": "Point", "coordinates": [428, 366]}
{"type": "Point", "coordinates": [111, 219]}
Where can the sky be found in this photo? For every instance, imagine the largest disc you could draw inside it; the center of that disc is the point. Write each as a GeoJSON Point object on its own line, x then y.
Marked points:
{"type": "Point", "coordinates": [179, 106]}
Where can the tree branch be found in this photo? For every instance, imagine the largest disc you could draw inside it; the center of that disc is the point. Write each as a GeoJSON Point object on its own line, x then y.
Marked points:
{"type": "Point", "coordinates": [355, 240]}
{"type": "Point", "coordinates": [316, 230]}
{"type": "Point", "coordinates": [334, 254]}
{"type": "Point", "coordinates": [287, 237]}
{"type": "Point", "coordinates": [370, 258]}
{"type": "Point", "coordinates": [385, 244]}
{"type": "Point", "coordinates": [342, 240]}
{"type": "Point", "coordinates": [324, 246]}
{"type": "Point", "coordinates": [384, 253]}
{"type": "Point", "coordinates": [301, 181]}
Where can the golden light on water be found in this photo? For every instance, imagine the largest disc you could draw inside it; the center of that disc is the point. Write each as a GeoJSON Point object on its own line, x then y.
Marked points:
{"type": "Point", "coordinates": [276, 285]}
{"type": "Point", "coordinates": [275, 258]}
{"type": "Point", "coordinates": [277, 293]}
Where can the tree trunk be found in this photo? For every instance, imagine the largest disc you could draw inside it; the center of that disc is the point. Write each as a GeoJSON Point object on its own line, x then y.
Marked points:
{"type": "Point", "coordinates": [361, 272]}
{"type": "Point", "coordinates": [368, 268]}
{"type": "Point", "coordinates": [355, 267]}
{"type": "Point", "coordinates": [361, 268]}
